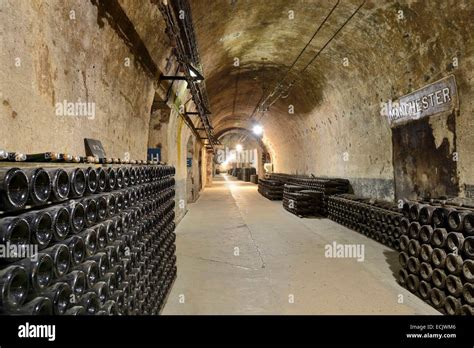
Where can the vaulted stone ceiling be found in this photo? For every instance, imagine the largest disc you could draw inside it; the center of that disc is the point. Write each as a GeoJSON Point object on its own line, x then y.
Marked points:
{"type": "Point", "coordinates": [389, 48]}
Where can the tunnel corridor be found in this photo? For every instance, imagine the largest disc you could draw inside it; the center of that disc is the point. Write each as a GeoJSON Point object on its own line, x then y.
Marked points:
{"type": "Point", "coordinates": [211, 165]}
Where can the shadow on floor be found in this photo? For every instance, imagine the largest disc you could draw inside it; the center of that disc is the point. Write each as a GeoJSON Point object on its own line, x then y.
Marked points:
{"type": "Point", "coordinates": [391, 257]}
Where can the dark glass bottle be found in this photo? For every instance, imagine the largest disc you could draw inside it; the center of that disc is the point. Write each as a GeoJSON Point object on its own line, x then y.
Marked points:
{"type": "Point", "coordinates": [92, 180]}
{"type": "Point", "coordinates": [61, 258]}
{"type": "Point", "coordinates": [77, 213]}
{"type": "Point", "coordinates": [60, 296]}
{"type": "Point", "coordinates": [112, 255]}
{"type": "Point", "coordinates": [78, 182]}
{"type": "Point", "coordinates": [110, 307]}
{"type": "Point", "coordinates": [89, 236]}
{"type": "Point", "coordinates": [61, 222]}
{"type": "Point", "coordinates": [102, 261]}
{"type": "Point", "coordinates": [16, 157]}
{"type": "Point", "coordinates": [60, 184]}
{"type": "Point", "coordinates": [41, 227]}
{"type": "Point", "coordinates": [14, 189]}
{"type": "Point", "coordinates": [111, 179]}
{"type": "Point", "coordinates": [102, 237]}
{"type": "Point", "coordinates": [111, 280]}
{"type": "Point", "coordinates": [42, 157]}
{"type": "Point", "coordinates": [102, 207]}
{"type": "Point", "coordinates": [77, 281]}
{"type": "Point", "coordinates": [90, 302]}
{"type": "Point", "coordinates": [15, 232]}
{"type": "Point", "coordinates": [40, 268]}
{"type": "Point", "coordinates": [77, 249]}
{"type": "Point", "coordinates": [76, 310]}
{"type": "Point", "coordinates": [14, 287]}
{"type": "Point", "coordinates": [40, 186]}
{"type": "Point", "coordinates": [91, 270]}
{"type": "Point", "coordinates": [38, 306]}
{"type": "Point", "coordinates": [90, 206]}
{"type": "Point", "coordinates": [102, 291]}
{"type": "Point", "coordinates": [101, 179]}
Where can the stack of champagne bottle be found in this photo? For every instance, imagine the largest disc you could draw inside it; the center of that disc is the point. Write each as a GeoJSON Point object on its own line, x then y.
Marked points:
{"type": "Point", "coordinates": [326, 186]}
{"type": "Point", "coordinates": [243, 174]}
{"type": "Point", "coordinates": [86, 239]}
{"type": "Point", "coordinates": [271, 189]}
{"type": "Point", "coordinates": [247, 172]}
{"type": "Point", "coordinates": [272, 186]}
{"type": "Point", "coordinates": [437, 256]}
{"type": "Point", "coordinates": [301, 200]}
{"type": "Point", "coordinates": [378, 220]}
{"type": "Point", "coordinates": [57, 157]}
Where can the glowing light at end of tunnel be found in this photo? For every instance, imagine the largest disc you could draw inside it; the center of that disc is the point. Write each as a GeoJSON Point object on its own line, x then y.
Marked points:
{"type": "Point", "coordinates": [257, 129]}
{"type": "Point", "coordinates": [239, 147]}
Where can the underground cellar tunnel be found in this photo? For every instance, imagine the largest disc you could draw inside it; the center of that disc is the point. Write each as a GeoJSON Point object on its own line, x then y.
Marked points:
{"type": "Point", "coordinates": [181, 157]}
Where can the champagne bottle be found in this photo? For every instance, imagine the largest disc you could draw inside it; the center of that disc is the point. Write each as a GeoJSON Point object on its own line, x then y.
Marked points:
{"type": "Point", "coordinates": [76, 310]}
{"type": "Point", "coordinates": [118, 297]}
{"type": "Point", "coordinates": [111, 179]}
{"type": "Point", "coordinates": [61, 222]}
{"type": "Point", "coordinates": [101, 289]}
{"type": "Point", "coordinates": [77, 215]}
{"type": "Point", "coordinates": [118, 226]}
{"type": "Point", "coordinates": [102, 207]}
{"type": "Point", "coordinates": [60, 295]}
{"type": "Point", "coordinates": [119, 203]}
{"type": "Point", "coordinates": [112, 255]}
{"type": "Point", "coordinates": [111, 205]}
{"type": "Point", "coordinates": [110, 230]}
{"type": "Point", "coordinates": [39, 186]}
{"type": "Point", "coordinates": [111, 280]}
{"type": "Point", "coordinates": [119, 273]}
{"type": "Point", "coordinates": [60, 184]}
{"type": "Point", "coordinates": [110, 307]}
{"type": "Point", "coordinates": [101, 180]}
{"type": "Point", "coordinates": [126, 176]}
{"type": "Point", "coordinates": [91, 180]}
{"type": "Point", "coordinates": [119, 179]}
{"type": "Point", "coordinates": [89, 236]}
{"type": "Point", "coordinates": [14, 189]}
{"type": "Point", "coordinates": [91, 270]}
{"type": "Point", "coordinates": [90, 206]}
{"type": "Point", "coordinates": [14, 287]}
{"type": "Point", "coordinates": [38, 306]}
{"type": "Point", "coordinates": [43, 157]}
{"type": "Point", "coordinates": [78, 182]}
{"type": "Point", "coordinates": [16, 157]}
{"type": "Point", "coordinates": [102, 261]}
{"type": "Point", "coordinates": [77, 281]}
{"type": "Point", "coordinates": [90, 302]}
{"type": "Point", "coordinates": [40, 270]}
{"type": "Point", "coordinates": [133, 176]}
{"type": "Point", "coordinates": [102, 237]}
{"type": "Point", "coordinates": [61, 258]}
{"type": "Point", "coordinates": [77, 249]}
{"type": "Point", "coordinates": [41, 227]}
{"type": "Point", "coordinates": [15, 232]}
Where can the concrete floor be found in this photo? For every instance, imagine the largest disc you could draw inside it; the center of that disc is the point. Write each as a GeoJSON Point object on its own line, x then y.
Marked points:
{"type": "Point", "coordinates": [280, 265]}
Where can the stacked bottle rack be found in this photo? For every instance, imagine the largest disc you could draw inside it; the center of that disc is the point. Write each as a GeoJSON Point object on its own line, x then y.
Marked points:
{"type": "Point", "coordinates": [86, 239]}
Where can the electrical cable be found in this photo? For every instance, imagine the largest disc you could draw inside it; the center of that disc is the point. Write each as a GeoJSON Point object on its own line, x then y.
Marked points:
{"type": "Point", "coordinates": [319, 52]}
{"type": "Point", "coordinates": [301, 52]}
